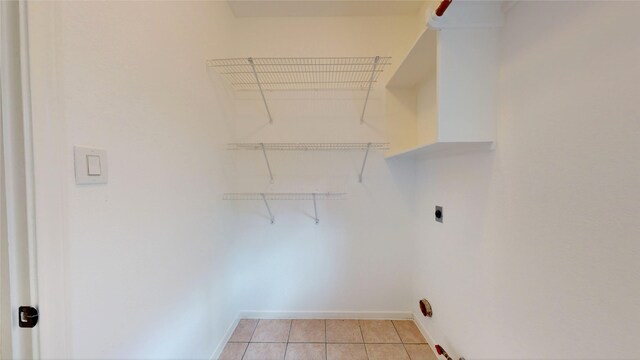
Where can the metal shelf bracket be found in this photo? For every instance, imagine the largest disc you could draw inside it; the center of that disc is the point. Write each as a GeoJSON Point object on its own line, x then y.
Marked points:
{"type": "Point", "coordinates": [266, 197]}
{"type": "Point", "coordinates": [264, 99]}
{"type": "Point", "coordinates": [264, 151]}
{"type": "Point", "coordinates": [266, 203]}
{"type": "Point", "coordinates": [366, 99]}
{"type": "Point", "coordinates": [315, 208]}
{"type": "Point", "coordinates": [366, 154]}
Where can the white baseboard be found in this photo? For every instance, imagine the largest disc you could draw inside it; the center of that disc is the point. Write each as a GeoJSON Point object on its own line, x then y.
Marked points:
{"type": "Point", "coordinates": [432, 343]}
{"type": "Point", "coordinates": [386, 315]}
{"type": "Point", "coordinates": [227, 335]}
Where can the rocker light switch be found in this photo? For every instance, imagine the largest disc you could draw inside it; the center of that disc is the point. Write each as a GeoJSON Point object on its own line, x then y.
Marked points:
{"type": "Point", "coordinates": [93, 165]}
{"type": "Point", "coordinates": [90, 165]}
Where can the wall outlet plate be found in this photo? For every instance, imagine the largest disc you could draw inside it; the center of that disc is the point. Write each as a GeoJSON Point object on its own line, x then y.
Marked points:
{"type": "Point", "coordinates": [439, 214]}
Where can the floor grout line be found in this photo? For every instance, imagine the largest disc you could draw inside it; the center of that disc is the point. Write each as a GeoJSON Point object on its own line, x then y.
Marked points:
{"type": "Point", "coordinates": [406, 351]}
{"type": "Point", "coordinates": [397, 332]}
{"type": "Point", "coordinates": [250, 337]}
{"type": "Point", "coordinates": [363, 343]}
{"type": "Point", "coordinates": [245, 350]}
{"type": "Point", "coordinates": [254, 330]}
{"type": "Point", "coordinates": [326, 350]}
{"type": "Point", "coordinates": [361, 332]}
{"type": "Point", "coordinates": [288, 338]}
{"type": "Point", "coordinates": [401, 340]}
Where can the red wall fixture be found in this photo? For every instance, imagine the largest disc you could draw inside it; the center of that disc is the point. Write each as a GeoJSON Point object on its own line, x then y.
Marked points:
{"type": "Point", "coordinates": [443, 7]}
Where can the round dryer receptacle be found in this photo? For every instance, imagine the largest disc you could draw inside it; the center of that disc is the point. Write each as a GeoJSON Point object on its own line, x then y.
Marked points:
{"type": "Point", "coordinates": [425, 308]}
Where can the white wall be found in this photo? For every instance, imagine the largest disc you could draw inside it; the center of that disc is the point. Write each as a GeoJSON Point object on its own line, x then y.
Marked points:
{"type": "Point", "coordinates": [538, 253]}
{"type": "Point", "coordinates": [154, 264]}
{"type": "Point", "coordinates": [355, 259]}
{"type": "Point", "coordinates": [135, 268]}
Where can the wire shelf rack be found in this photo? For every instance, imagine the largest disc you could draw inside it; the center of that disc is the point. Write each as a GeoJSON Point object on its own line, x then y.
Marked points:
{"type": "Point", "coordinates": [323, 73]}
{"type": "Point", "coordinates": [284, 196]}
{"type": "Point", "coordinates": [328, 73]}
{"type": "Point", "coordinates": [308, 146]}
{"type": "Point", "coordinates": [366, 147]}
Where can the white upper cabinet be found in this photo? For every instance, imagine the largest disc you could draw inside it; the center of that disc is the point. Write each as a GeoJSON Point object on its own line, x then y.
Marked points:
{"type": "Point", "coordinates": [442, 97]}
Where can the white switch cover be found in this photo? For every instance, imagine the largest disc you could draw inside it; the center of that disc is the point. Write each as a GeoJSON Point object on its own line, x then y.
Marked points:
{"type": "Point", "coordinates": [91, 165]}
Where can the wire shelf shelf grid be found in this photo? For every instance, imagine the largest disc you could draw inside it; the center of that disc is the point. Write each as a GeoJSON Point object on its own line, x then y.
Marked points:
{"type": "Point", "coordinates": [322, 73]}
{"type": "Point", "coordinates": [284, 196]}
{"type": "Point", "coordinates": [308, 146]}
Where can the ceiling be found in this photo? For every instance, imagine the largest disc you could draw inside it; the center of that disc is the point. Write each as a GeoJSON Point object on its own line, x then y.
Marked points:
{"type": "Point", "coordinates": [270, 8]}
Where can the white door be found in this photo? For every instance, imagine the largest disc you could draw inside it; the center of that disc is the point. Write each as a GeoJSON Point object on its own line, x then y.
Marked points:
{"type": "Point", "coordinates": [17, 243]}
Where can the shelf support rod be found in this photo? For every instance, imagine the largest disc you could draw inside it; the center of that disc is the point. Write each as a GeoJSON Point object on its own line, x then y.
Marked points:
{"type": "Point", "coordinates": [264, 151]}
{"type": "Point", "coordinates": [255, 73]}
{"type": "Point", "coordinates": [266, 203]}
{"type": "Point", "coordinates": [366, 99]}
{"type": "Point", "coordinates": [366, 154]}
{"type": "Point", "coordinates": [315, 208]}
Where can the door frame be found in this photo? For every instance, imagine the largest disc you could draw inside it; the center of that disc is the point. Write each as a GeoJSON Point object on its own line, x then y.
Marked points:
{"type": "Point", "coordinates": [17, 177]}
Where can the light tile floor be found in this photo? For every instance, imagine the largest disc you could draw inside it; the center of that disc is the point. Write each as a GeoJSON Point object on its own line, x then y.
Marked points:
{"type": "Point", "coordinates": [327, 340]}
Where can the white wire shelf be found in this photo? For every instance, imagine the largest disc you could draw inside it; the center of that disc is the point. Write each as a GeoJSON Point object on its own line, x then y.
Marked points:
{"type": "Point", "coordinates": [284, 196]}
{"type": "Point", "coordinates": [366, 147]}
{"type": "Point", "coordinates": [308, 146]}
{"type": "Point", "coordinates": [266, 197]}
{"type": "Point", "coordinates": [328, 73]}
{"type": "Point", "coordinates": [322, 73]}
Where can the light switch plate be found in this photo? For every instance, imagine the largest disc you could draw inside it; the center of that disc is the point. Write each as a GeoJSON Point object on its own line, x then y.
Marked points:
{"type": "Point", "coordinates": [86, 158]}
